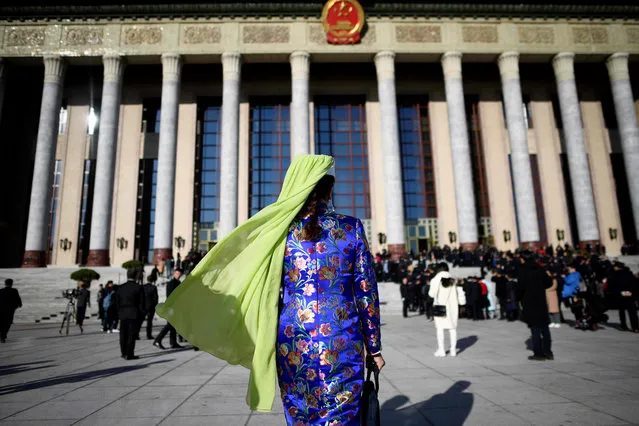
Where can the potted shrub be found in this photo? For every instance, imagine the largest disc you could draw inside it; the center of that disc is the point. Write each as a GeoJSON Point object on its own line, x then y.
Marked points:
{"type": "Point", "coordinates": [130, 264]}
{"type": "Point", "coordinates": [85, 276]}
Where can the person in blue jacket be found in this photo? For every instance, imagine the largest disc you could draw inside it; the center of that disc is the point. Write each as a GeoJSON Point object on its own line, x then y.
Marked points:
{"type": "Point", "coordinates": [572, 281]}
{"type": "Point", "coordinates": [570, 293]}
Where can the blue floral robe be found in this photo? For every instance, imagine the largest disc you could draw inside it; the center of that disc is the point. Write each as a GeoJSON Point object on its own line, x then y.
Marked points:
{"type": "Point", "coordinates": [330, 315]}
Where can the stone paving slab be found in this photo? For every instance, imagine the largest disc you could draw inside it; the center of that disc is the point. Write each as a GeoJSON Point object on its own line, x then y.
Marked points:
{"type": "Point", "coordinates": [48, 379]}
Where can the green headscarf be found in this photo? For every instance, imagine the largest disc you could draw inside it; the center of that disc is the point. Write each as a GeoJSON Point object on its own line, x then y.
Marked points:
{"type": "Point", "coordinates": [228, 305]}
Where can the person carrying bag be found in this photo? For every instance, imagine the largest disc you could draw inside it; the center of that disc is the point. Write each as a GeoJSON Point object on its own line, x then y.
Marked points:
{"type": "Point", "coordinates": [447, 298]}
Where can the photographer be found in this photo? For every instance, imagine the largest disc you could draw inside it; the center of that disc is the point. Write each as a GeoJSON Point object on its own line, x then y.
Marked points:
{"type": "Point", "coordinates": [83, 301]}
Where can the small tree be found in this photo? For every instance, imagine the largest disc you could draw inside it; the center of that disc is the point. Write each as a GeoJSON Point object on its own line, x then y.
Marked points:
{"type": "Point", "coordinates": [85, 276]}
{"type": "Point", "coordinates": [131, 264]}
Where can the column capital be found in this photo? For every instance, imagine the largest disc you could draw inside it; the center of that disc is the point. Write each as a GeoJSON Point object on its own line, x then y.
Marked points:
{"type": "Point", "coordinates": [300, 65]}
{"type": "Point", "coordinates": [452, 64]}
{"type": "Point", "coordinates": [564, 66]}
{"type": "Point", "coordinates": [54, 67]}
{"type": "Point", "coordinates": [171, 66]}
{"type": "Point", "coordinates": [231, 65]}
{"type": "Point", "coordinates": [509, 65]}
{"type": "Point", "coordinates": [113, 67]}
{"type": "Point", "coordinates": [385, 65]}
{"type": "Point", "coordinates": [617, 64]}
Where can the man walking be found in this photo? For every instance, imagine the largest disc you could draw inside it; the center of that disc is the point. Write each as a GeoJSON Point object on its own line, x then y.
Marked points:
{"type": "Point", "coordinates": [9, 302]}
{"type": "Point", "coordinates": [150, 302]}
{"type": "Point", "coordinates": [83, 301]}
{"type": "Point", "coordinates": [621, 287]}
{"type": "Point", "coordinates": [100, 300]}
{"type": "Point", "coordinates": [129, 302]}
{"type": "Point", "coordinates": [168, 328]}
{"type": "Point", "coordinates": [533, 282]}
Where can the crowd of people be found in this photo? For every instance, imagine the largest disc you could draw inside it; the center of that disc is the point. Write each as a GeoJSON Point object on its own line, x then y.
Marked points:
{"type": "Point", "coordinates": [589, 284]}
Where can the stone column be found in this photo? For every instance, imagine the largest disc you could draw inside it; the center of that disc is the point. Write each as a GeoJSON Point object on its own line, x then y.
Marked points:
{"type": "Point", "coordinates": [527, 220]}
{"type": "Point", "coordinates": [300, 135]}
{"type": "Point", "coordinates": [460, 147]}
{"type": "Point", "coordinates": [105, 165]}
{"type": "Point", "coordinates": [563, 64]}
{"type": "Point", "coordinates": [36, 244]}
{"type": "Point", "coordinates": [165, 189]}
{"type": "Point", "coordinates": [231, 66]}
{"type": "Point", "coordinates": [393, 185]}
{"type": "Point", "coordinates": [627, 122]}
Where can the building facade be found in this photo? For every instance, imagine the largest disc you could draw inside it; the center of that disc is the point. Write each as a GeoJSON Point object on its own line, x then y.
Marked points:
{"type": "Point", "coordinates": [143, 132]}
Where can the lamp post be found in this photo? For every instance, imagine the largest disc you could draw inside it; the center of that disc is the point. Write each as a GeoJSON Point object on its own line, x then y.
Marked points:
{"type": "Point", "coordinates": [613, 233]}
{"type": "Point", "coordinates": [507, 236]}
{"type": "Point", "coordinates": [452, 237]}
{"type": "Point", "coordinates": [122, 243]}
{"type": "Point", "coordinates": [560, 235]}
{"type": "Point", "coordinates": [381, 238]}
{"type": "Point", "coordinates": [65, 244]}
{"type": "Point", "coordinates": [179, 242]}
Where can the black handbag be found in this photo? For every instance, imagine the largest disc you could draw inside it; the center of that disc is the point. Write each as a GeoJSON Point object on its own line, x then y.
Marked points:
{"type": "Point", "coordinates": [369, 410]}
{"type": "Point", "coordinates": [439, 310]}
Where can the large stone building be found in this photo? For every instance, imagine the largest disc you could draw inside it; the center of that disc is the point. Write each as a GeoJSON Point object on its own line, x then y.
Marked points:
{"type": "Point", "coordinates": [141, 130]}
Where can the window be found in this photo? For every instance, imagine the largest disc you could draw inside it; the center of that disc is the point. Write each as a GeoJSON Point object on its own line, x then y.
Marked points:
{"type": "Point", "coordinates": [340, 131]}
{"type": "Point", "coordinates": [154, 181]}
{"type": "Point", "coordinates": [206, 196]}
{"type": "Point", "coordinates": [477, 157]}
{"type": "Point", "coordinates": [151, 115]}
{"type": "Point", "coordinates": [417, 159]}
{"type": "Point", "coordinates": [86, 207]}
{"type": "Point", "coordinates": [53, 208]}
{"type": "Point", "coordinates": [270, 152]}
{"type": "Point", "coordinates": [145, 210]}
{"type": "Point", "coordinates": [63, 118]}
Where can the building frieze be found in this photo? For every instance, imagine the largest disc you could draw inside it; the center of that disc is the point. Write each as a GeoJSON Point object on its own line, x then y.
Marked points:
{"type": "Point", "coordinates": [285, 36]}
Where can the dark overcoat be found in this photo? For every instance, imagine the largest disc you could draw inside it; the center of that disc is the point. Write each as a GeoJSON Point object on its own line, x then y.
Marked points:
{"type": "Point", "coordinates": [533, 282]}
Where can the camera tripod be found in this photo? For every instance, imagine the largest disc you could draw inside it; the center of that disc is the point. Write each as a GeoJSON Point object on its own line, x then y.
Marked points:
{"type": "Point", "coordinates": [69, 315]}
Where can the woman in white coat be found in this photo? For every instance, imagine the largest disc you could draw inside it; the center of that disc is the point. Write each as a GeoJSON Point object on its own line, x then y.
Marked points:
{"type": "Point", "coordinates": [444, 291]}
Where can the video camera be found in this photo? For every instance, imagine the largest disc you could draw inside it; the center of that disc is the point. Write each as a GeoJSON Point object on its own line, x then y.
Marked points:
{"type": "Point", "coordinates": [70, 293]}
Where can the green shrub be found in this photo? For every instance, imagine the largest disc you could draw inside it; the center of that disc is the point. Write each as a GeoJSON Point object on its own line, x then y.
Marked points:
{"type": "Point", "coordinates": [130, 264]}
{"type": "Point", "coordinates": [85, 275]}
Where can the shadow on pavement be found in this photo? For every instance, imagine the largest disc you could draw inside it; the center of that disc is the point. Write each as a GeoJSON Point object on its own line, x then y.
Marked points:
{"type": "Point", "coordinates": [465, 343]}
{"type": "Point", "coordinates": [166, 352]}
{"type": "Point", "coordinates": [73, 378]}
{"type": "Point", "coordinates": [5, 370]}
{"type": "Point", "coordinates": [450, 408]}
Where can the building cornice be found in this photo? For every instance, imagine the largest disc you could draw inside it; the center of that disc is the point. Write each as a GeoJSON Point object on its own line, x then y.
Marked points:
{"type": "Point", "coordinates": [227, 9]}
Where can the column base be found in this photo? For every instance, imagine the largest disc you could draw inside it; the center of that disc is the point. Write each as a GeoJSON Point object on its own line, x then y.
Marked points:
{"type": "Point", "coordinates": [397, 251]}
{"type": "Point", "coordinates": [533, 246]}
{"type": "Point", "coordinates": [98, 257]}
{"type": "Point", "coordinates": [161, 253]}
{"type": "Point", "coordinates": [588, 245]}
{"type": "Point", "coordinates": [34, 259]}
{"type": "Point", "coordinates": [468, 246]}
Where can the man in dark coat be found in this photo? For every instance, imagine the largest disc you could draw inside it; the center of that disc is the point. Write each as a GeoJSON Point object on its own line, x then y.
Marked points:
{"type": "Point", "coordinates": [100, 300]}
{"type": "Point", "coordinates": [82, 302]}
{"type": "Point", "coordinates": [9, 302]}
{"type": "Point", "coordinates": [501, 291]}
{"type": "Point", "coordinates": [129, 302]}
{"type": "Point", "coordinates": [151, 301]}
{"type": "Point", "coordinates": [622, 289]}
{"type": "Point", "coordinates": [533, 283]}
{"type": "Point", "coordinates": [168, 328]}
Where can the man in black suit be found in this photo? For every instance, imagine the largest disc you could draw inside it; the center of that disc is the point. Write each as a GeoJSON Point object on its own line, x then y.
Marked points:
{"type": "Point", "coordinates": [82, 302]}
{"type": "Point", "coordinates": [151, 301]}
{"type": "Point", "coordinates": [168, 328]}
{"type": "Point", "coordinates": [9, 302]}
{"type": "Point", "coordinates": [129, 302]}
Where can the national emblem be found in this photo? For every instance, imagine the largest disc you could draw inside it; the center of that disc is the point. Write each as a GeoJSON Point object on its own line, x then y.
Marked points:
{"type": "Point", "coordinates": [343, 21]}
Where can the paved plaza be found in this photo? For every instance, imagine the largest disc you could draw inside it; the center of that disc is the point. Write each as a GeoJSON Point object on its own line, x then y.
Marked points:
{"type": "Point", "coordinates": [48, 379]}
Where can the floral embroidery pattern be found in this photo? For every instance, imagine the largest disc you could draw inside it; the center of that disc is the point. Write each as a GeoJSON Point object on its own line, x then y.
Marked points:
{"type": "Point", "coordinates": [330, 315]}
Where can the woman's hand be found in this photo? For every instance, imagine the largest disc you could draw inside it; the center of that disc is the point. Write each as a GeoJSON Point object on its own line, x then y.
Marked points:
{"type": "Point", "coordinates": [379, 361]}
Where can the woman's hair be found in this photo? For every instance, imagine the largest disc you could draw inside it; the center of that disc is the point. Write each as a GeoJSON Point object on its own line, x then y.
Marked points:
{"type": "Point", "coordinates": [441, 267]}
{"type": "Point", "coordinates": [322, 191]}
{"type": "Point", "coordinates": [447, 282]}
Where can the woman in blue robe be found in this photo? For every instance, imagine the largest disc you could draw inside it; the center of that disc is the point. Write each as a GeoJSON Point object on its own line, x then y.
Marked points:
{"type": "Point", "coordinates": [329, 315]}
